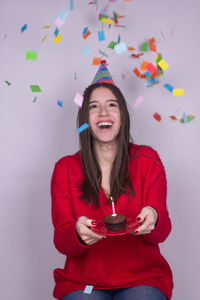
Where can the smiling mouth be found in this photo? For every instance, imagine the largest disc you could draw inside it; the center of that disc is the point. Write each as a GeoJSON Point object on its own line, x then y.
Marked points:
{"type": "Point", "coordinates": [104, 125]}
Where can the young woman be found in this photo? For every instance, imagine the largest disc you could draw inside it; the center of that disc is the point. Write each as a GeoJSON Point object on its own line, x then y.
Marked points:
{"type": "Point", "coordinates": [128, 266]}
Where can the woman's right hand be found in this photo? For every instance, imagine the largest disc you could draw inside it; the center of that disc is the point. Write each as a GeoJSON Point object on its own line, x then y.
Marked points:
{"type": "Point", "coordinates": [85, 233]}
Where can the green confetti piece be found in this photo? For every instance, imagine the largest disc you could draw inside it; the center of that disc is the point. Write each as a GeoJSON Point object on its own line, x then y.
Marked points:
{"type": "Point", "coordinates": [112, 45]}
{"type": "Point", "coordinates": [35, 88]}
{"type": "Point", "coordinates": [144, 47]}
{"type": "Point", "coordinates": [31, 55]}
{"type": "Point", "coordinates": [8, 83]}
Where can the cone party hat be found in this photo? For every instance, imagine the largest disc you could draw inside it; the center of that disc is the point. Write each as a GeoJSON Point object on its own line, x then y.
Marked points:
{"type": "Point", "coordinates": [103, 75]}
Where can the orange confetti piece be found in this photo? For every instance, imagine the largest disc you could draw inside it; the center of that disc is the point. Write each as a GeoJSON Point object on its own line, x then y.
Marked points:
{"type": "Point", "coordinates": [86, 34]}
{"type": "Point", "coordinates": [144, 65]}
{"type": "Point", "coordinates": [156, 74]}
{"type": "Point", "coordinates": [173, 118]}
{"type": "Point", "coordinates": [97, 61]}
{"type": "Point", "coordinates": [152, 45]}
{"type": "Point", "coordinates": [143, 76]}
{"type": "Point", "coordinates": [137, 72]}
{"type": "Point", "coordinates": [130, 48]}
{"type": "Point", "coordinates": [157, 117]}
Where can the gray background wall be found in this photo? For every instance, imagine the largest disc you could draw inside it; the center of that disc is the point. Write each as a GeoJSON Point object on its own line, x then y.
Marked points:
{"type": "Point", "coordinates": [34, 136]}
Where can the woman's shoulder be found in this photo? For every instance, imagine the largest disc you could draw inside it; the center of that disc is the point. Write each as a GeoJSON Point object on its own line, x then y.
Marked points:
{"type": "Point", "coordinates": [69, 159]}
{"type": "Point", "coordinates": [145, 153]}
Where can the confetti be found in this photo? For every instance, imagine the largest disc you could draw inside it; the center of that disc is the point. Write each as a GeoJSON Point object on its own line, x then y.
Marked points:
{"type": "Point", "coordinates": [120, 48]}
{"type": "Point", "coordinates": [86, 51]}
{"type": "Point", "coordinates": [157, 117]}
{"type": "Point", "coordinates": [59, 22]}
{"type": "Point", "coordinates": [112, 45]}
{"type": "Point", "coordinates": [5, 36]}
{"type": "Point", "coordinates": [75, 76]}
{"type": "Point", "coordinates": [85, 36]}
{"type": "Point", "coordinates": [56, 32]}
{"type": "Point", "coordinates": [144, 47]}
{"type": "Point", "coordinates": [46, 27]}
{"type": "Point", "coordinates": [137, 55]}
{"type": "Point", "coordinates": [34, 99]}
{"type": "Point", "coordinates": [24, 27]}
{"type": "Point", "coordinates": [178, 92]}
{"type": "Point", "coordinates": [123, 76]}
{"type": "Point", "coordinates": [144, 65]}
{"type": "Point", "coordinates": [64, 13]}
{"type": "Point", "coordinates": [8, 83]}
{"type": "Point", "coordinates": [60, 103]}
{"type": "Point", "coordinates": [151, 68]}
{"type": "Point", "coordinates": [138, 101]}
{"type": "Point", "coordinates": [103, 53]}
{"type": "Point", "coordinates": [130, 48]}
{"type": "Point", "coordinates": [78, 99]}
{"type": "Point", "coordinates": [96, 61]}
{"type": "Point", "coordinates": [106, 20]}
{"type": "Point", "coordinates": [44, 38]}
{"type": "Point", "coordinates": [57, 38]}
{"type": "Point", "coordinates": [173, 118]}
{"type": "Point", "coordinates": [169, 87]}
{"type": "Point", "coordinates": [83, 127]}
{"type": "Point", "coordinates": [101, 35]}
{"type": "Point", "coordinates": [71, 4]}
{"type": "Point", "coordinates": [152, 45]}
{"type": "Point", "coordinates": [35, 88]}
{"type": "Point", "coordinates": [162, 64]}
{"type": "Point", "coordinates": [118, 39]}
{"type": "Point", "coordinates": [31, 55]}
{"type": "Point", "coordinates": [186, 119]}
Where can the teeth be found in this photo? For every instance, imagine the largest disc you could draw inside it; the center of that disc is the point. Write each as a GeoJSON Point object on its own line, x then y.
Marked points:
{"type": "Point", "coordinates": [105, 124]}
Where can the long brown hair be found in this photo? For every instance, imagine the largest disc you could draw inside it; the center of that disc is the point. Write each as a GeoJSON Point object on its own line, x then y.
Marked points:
{"type": "Point", "coordinates": [119, 179]}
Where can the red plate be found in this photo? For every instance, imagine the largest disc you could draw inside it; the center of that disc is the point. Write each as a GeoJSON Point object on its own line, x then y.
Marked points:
{"type": "Point", "coordinates": [100, 228]}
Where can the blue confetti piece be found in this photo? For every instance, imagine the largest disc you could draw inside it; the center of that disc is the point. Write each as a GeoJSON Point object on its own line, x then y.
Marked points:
{"type": "Point", "coordinates": [75, 76]}
{"type": "Point", "coordinates": [83, 127]}
{"type": "Point", "coordinates": [34, 99]}
{"type": "Point", "coordinates": [60, 103]}
{"type": "Point", "coordinates": [168, 87]}
{"type": "Point", "coordinates": [86, 51]}
{"type": "Point", "coordinates": [56, 32]}
{"type": "Point", "coordinates": [103, 53]}
{"type": "Point", "coordinates": [119, 38]}
{"type": "Point", "coordinates": [101, 35]}
{"type": "Point", "coordinates": [64, 13]}
{"type": "Point", "coordinates": [85, 30]}
{"type": "Point", "coordinates": [24, 28]}
{"type": "Point", "coordinates": [185, 119]}
{"type": "Point", "coordinates": [71, 4]}
{"type": "Point", "coordinates": [148, 74]}
{"type": "Point", "coordinates": [5, 36]}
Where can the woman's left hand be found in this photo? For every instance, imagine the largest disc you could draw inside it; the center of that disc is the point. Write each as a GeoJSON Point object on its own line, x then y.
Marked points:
{"type": "Point", "coordinates": [147, 218]}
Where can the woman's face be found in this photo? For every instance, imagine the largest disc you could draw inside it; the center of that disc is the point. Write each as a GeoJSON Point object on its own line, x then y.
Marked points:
{"type": "Point", "coordinates": [104, 115]}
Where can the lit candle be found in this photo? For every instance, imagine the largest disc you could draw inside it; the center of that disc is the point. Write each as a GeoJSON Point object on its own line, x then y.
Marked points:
{"type": "Point", "coordinates": [113, 207]}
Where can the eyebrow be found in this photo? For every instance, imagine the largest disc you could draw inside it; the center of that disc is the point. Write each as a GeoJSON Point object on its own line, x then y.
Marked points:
{"type": "Point", "coordinates": [113, 100]}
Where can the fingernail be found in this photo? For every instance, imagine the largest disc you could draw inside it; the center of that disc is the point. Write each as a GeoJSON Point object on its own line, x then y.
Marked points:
{"type": "Point", "coordinates": [94, 223]}
{"type": "Point", "coordinates": [138, 219]}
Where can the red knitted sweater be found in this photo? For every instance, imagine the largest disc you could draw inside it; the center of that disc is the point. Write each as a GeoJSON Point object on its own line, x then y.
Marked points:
{"type": "Point", "coordinates": [118, 261]}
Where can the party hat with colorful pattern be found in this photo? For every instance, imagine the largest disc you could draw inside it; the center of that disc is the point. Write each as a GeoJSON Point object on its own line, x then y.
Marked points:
{"type": "Point", "coordinates": [103, 74]}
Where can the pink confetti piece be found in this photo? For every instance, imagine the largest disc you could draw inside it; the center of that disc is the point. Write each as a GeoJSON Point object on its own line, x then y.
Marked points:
{"type": "Point", "coordinates": [78, 99]}
{"type": "Point", "coordinates": [138, 101]}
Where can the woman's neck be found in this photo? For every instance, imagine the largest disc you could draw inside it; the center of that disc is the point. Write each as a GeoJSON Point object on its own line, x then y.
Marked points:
{"type": "Point", "coordinates": [105, 153]}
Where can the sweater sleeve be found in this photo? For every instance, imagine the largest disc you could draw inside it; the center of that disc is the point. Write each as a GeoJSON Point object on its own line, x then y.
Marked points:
{"type": "Point", "coordinates": [65, 237]}
{"type": "Point", "coordinates": [154, 195]}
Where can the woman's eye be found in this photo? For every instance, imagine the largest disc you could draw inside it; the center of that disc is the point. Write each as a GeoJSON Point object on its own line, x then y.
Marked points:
{"type": "Point", "coordinates": [92, 106]}
{"type": "Point", "coordinates": [113, 104]}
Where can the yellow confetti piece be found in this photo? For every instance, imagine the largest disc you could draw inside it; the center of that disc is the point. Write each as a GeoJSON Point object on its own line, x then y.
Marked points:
{"type": "Point", "coordinates": [44, 38]}
{"type": "Point", "coordinates": [46, 27]}
{"type": "Point", "coordinates": [178, 92]}
{"type": "Point", "coordinates": [106, 20]}
{"type": "Point", "coordinates": [57, 38]}
{"type": "Point", "coordinates": [163, 65]}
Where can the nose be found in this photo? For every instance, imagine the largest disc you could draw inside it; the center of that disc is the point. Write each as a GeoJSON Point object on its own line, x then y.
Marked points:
{"type": "Point", "coordinates": [103, 110]}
